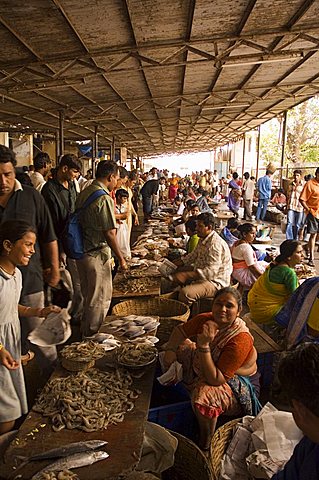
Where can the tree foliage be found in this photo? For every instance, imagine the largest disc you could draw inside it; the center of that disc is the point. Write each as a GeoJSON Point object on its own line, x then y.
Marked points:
{"type": "Point", "coordinates": [302, 141]}
{"type": "Point", "coordinates": [303, 133]}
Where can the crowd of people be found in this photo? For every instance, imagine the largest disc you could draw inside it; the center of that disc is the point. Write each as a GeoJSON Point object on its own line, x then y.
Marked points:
{"type": "Point", "coordinates": [215, 348]}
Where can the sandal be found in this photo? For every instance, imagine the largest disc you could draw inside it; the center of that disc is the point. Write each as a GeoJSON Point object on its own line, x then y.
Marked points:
{"type": "Point", "coordinates": [311, 263]}
{"type": "Point", "coordinates": [25, 359]}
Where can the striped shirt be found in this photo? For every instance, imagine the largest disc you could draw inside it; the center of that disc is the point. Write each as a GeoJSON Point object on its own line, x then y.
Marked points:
{"type": "Point", "coordinates": [212, 260]}
{"type": "Point", "coordinates": [293, 195]}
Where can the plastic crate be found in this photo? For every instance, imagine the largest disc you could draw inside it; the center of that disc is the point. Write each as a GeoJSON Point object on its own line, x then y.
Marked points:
{"type": "Point", "coordinates": [171, 408]}
{"type": "Point", "coordinates": [178, 417]}
{"type": "Point", "coordinates": [265, 363]}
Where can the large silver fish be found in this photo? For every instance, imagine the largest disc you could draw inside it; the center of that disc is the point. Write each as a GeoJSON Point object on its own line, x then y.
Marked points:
{"type": "Point", "coordinates": [68, 449]}
{"type": "Point", "coordinates": [73, 461]}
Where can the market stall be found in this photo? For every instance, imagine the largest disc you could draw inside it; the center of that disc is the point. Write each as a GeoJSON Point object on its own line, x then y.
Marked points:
{"type": "Point", "coordinates": [124, 440]}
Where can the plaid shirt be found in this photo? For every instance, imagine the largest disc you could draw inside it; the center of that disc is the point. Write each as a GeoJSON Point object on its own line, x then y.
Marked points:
{"type": "Point", "coordinates": [293, 194]}
{"type": "Point", "coordinates": [212, 260]}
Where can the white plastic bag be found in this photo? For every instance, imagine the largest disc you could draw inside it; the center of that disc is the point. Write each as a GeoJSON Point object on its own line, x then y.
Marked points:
{"type": "Point", "coordinates": [54, 330]}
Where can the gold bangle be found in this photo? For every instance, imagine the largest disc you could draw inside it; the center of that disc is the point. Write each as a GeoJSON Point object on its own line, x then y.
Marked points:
{"type": "Point", "coordinates": [203, 349]}
{"type": "Point", "coordinates": [1, 347]}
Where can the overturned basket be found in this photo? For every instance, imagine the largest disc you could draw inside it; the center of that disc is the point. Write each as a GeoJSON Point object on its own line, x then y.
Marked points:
{"type": "Point", "coordinates": [220, 442]}
{"type": "Point", "coordinates": [190, 462]}
{"type": "Point", "coordinates": [171, 312]}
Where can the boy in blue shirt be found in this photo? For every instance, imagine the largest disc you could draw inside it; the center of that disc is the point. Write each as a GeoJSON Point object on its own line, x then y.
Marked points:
{"type": "Point", "coordinates": [264, 186]}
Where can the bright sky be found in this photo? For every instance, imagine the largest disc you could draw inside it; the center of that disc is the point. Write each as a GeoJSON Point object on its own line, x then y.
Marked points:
{"type": "Point", "coordinates": [182, 164]}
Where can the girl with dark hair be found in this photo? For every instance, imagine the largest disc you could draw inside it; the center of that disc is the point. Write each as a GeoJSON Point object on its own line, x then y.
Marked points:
{"type": "Point", "coordinates": [246, 267]}
{"type": "Point", "coordinates": [272, 290]}
{"type": "Point", "coordinates": [219, 368]}
{"type": "Point", "coordinates": [17, 240]}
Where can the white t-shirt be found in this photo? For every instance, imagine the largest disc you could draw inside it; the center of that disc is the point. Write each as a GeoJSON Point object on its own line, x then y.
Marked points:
{"type": "Point", "coordinates": [248, 189]}
{"type": "Point", "coordinates": [245, 252]}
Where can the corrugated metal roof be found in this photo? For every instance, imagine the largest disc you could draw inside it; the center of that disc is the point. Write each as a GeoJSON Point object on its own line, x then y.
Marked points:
{"type": "Point", "coordinates": [158, 76]}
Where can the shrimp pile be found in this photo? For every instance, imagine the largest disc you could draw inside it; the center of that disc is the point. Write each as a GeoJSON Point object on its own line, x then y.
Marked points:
{"type": "Point", "coordinates": [89, 401]}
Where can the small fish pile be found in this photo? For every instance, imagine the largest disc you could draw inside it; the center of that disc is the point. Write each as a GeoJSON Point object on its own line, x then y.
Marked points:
{"type": "Point", "coordinates": [73, 461]}
{"type": "Point", "coordinates": [131, 326]}
{"type": "Point", "coordinates": [88, 401]}
{"type": "Point", "coordinates": [136, 355]}
{"type": "Point", "coordinates": [61, 475]}
{"type": "Point", "coordinates": [138, 285]}
{"type": "Point", "coordinates": [79, 351]}
{"type": "Point", "coordinates": [106, 340]}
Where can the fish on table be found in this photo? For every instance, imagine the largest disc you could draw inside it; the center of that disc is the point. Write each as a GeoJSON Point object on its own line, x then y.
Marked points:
{"type": "Point", "coordinates": [69, 449]}
{"type": "Point", "coordinates": [64, 451]}
{"type": "Point", "coordinates": [76, 460]}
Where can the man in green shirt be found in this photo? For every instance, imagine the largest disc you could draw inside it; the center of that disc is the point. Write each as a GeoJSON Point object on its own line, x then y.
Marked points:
{"type": "Point", "coordinates": [99, 237]}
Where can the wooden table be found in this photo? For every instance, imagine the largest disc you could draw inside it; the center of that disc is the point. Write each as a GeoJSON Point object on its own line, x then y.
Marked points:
{"type": "Point", "coordinates": [153, 291]}
{"type": "Point", "coordinates": [262, 342]}
{"type": "Point", "coordinates": [124, 440]}
{"type": "Point", "coordinates": [222, 218]}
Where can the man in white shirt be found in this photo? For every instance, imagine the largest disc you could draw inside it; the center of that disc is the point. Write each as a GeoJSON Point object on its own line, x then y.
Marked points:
{"type": "Point", "coordinates": [248, 190]}
{"type": "Point", "coordinates": [41, 165]}
{"type": "Point", "coordinates": [152, 174]}
{"type": "Point", "coordinates": [209, 266]}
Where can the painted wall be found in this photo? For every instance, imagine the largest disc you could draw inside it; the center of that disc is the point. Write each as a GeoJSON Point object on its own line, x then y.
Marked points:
{"type": "Point", "coordinates": [23, 148]}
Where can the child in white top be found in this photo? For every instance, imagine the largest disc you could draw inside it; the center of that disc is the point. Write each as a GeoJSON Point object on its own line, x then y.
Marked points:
{"type": "Point", "coordinates": [123, 234]}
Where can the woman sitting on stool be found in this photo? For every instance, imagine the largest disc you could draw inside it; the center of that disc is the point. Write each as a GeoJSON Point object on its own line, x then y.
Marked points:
{"type": "Point", "coordinates": [219, 367]}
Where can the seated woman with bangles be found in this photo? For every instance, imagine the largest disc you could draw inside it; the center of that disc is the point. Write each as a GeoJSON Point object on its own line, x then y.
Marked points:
{"type": "Point", "coordinates": [219, 366]}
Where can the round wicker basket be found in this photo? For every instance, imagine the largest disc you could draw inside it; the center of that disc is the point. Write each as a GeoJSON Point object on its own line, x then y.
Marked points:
{"type": "Point", "coordinates": [76, 365]}
{"type": "Point", "coordinates": [190, 462]}
{"type": "Point", "coordinates": [221, 439]}
{"type": "Point", "coordinates": [171, 312]}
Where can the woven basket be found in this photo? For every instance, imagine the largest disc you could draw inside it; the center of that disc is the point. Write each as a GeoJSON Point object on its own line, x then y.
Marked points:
{"type": "Point", "coordinates": [76, 365]}
{"type": "Point", "coordinates": [190, 462]}
{"type": "Point", "coordinates": [170, 295]}
{"type": "Point", "coordinates": [171, 312]}
{"type": "Point", "coordinates": [221, 439]}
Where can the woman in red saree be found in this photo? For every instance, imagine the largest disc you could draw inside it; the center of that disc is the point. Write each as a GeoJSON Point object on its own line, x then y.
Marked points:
{"type": "Point", "coordinates": [219, 367]}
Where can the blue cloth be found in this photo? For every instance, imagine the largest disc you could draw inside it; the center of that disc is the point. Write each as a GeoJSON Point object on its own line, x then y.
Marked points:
{"type": "Point", "coordinates": [229, 238]}
{"type": "Point", "coordinates": [203, 205]}
{"type": "Point", "coordinates": [264, 187]}
{"type": "Point", "coordinates": [290, 313]}
{"type": "Point", "coordinates": [304, 463]}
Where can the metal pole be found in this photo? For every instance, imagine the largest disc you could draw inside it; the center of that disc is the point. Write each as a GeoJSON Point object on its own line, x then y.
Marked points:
{"type": "Point", "coordinates": [57, 146]}
{"type": "Point", "coordinates": [95, 149]}
{"type": "Point", "coordinates": [61, 133]}
{"type": "Point", "coordinates": [244, 148]}
{"type": "Point", "coordinates": [258, 153]}
{"type": "Point", "coordinates": [112, 147]}
{"type": "Point", "coordinates": [284, 136]}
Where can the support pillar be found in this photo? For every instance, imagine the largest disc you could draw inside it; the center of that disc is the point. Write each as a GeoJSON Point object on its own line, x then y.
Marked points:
{"type": "Point", "coordinates": [113, 149]}
{"type": "Point", "coordinates": [61, 134]}
{"type": "Point", "coordinates": [258, 153]}
{"type": "Point", "coordinates": [57, 146]}
{"type": "Point", "coordinates": [95, 149]}
{"type": "Point", "coordinates": [243, 163]}
{"type": "Point", "coordinates": [283, 145]}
